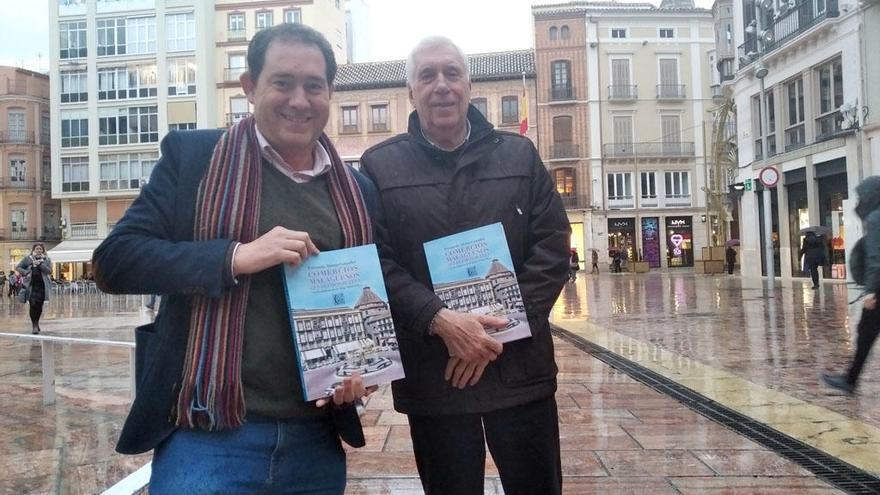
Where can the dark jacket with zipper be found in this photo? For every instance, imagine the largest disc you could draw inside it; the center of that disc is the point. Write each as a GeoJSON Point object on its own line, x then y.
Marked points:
{"type": "Point", "coordinates": [426, 193]}
{"type": "Point", "coordinates": [151, 251]}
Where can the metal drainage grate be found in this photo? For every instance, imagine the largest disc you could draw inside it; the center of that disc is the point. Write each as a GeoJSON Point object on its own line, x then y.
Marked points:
{"type": "Point", "coordinates": [832, 470]}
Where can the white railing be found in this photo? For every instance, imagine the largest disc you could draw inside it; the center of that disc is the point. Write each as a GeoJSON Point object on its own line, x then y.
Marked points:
{"type": "Point", "coordinates": [85, 230]}
{"type": "Point", "coordinates": [48, 344]}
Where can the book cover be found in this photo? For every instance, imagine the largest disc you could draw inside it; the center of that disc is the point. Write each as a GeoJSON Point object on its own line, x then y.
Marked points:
{"type": "Point", "coordinates": [341, 321]}
{"type": "Point", "coordinates": [472, 272]}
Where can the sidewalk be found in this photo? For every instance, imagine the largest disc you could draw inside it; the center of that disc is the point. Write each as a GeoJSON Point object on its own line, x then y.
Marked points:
{"type": "Point", "coordinates": [618, 436]}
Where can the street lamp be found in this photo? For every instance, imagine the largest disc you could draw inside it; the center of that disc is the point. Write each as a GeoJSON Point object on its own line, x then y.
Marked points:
{"type": "Point", "coordinates": [763, 38]}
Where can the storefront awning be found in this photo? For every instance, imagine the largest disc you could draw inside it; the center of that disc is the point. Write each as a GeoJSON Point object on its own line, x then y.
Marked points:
{"type": "Point", "coordinates": [73, 251]}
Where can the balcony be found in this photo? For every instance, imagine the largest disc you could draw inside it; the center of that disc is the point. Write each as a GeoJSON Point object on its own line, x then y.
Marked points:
{"type": "Point", "coordinates": [25, 137]}
{"type": "Point", "coordinates": [236, 35]}
{"type": "Point", "coordinates": [564, 150]}
{"type": "Point", "coordinates": [828, 125]}
{"type": "Point", "coordinates": [573, 201]}
{"type": "Point", "coordinates": [10, 183]}
{"type": "Point", "coordinates": [652, 149]}
{"type": "Point", "coordinates": [83, 230]}
{"type": "Point", "coordinates": [621, 202]}
{"type": "Point", "coordinates": [626, 92]}
{"type": "Point", "coordinates": [717, 92]}
{"type": "Point", "coordinates": [20, 235]}
{"type": "Point", "coordinates": [562, 93]}
{"type": "Point", "coordinates": [795, 138]}
{"type": "Point", "coordinates": [51, 233]}
{"type": "Point", "coordinates": [232, 118]}
{"type": "Point", "coordinates": [789, 24]}
{"type": "Point", "coordinates": [649, 201]}
{"type": "Point", "coordinates": [231, 74]}
{"type": "Point", "coordinates": [670, 91]}
{"type": "Point", "coordinates": [677, 200]}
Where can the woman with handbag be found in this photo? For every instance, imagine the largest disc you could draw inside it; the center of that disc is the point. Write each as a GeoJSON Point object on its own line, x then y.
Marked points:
{"type": "Point", "coordinates": [35, 269]}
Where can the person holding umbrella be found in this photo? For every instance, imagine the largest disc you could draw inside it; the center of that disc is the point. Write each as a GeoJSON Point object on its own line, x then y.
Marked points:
{"type": "Point", "coordinates": [730, 255]}
{"type": "Point", "coordinates": [813, 251]}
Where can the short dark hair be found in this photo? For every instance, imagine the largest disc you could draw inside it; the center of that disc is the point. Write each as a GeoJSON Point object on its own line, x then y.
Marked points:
{"type": "Point", "coordinates": [292, 33]}
{"type": "Point", "coordinates": [38, 244]}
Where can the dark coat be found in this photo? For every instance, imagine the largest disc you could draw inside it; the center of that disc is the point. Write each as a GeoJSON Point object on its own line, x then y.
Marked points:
{"type": "Point", "coordinates": [146, 254]}
{"type": "Point", "coordinates": [730, 255]}
{"type": "Point", "coordinates": [426, 194]}
{"type": "Point", "coordinates": [25, 268]}
{"type": "Point", "coordinates": [868, 209]}
{"type": "Point", "coordinates": [813, 249]}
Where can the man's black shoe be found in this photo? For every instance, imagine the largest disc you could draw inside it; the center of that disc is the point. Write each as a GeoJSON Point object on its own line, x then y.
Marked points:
{"type": "Point", "coordinates": [838, 381]}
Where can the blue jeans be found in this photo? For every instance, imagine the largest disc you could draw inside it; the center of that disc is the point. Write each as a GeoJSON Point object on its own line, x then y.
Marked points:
{"type": "Point", "coordinates": [262, 456]}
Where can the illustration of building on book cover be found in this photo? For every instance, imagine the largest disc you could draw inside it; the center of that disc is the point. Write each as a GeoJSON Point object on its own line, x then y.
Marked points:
{"type": "Point", "coordinates": [472, 271]}
{"type": "Point", "coordinates": [341, 322]}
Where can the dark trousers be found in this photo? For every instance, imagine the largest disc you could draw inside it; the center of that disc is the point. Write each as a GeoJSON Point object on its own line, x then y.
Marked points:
{"type": "Point", "coordinates": [524, 441]}
{"type": "Point", "coordinates": [869, 328]}
{"type": "Point", "coordinates": [730, 268]}
{"type": "Point", "coordinates": [814, 272]}
{"type": "Point", "coordinates": [36, 311]}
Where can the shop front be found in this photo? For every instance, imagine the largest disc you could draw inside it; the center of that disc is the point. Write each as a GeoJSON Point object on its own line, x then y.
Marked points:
{"type": "Point", "coordinates": [651, 241]}
{"type": "Point", "coordinates": [622, 236]}
{"type": "Point", "coordinates": [679, 241]}
{"type": "Point", "coordinates": [832, 183]}
{"type": "Point", "coordinates": [798, 217]}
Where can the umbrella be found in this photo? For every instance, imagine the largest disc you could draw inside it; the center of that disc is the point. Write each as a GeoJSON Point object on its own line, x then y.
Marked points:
{"type": "Point", "coordinates": [732, 242]}
{"type": "Point", "coordinates": [817, 229]}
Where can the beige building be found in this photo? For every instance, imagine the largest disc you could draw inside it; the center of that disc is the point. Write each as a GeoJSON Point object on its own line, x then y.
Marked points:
{"type": "Point", "coordinates": [371, 103]}
{"type": "Point", "coordinates": [234, 24]}
{"type": "Point", "coordinates": [27, 212]}
{"type": "Point", "coordinates": [647, 85]}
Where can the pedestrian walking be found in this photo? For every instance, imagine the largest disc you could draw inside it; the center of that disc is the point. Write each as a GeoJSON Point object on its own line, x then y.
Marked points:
{"type": "Point", "coordinates": [813, 251]}
{"type": "Point", "coordinates": [13, 281]}
{"type": "Point", "coordinates": [34, 271]}
{"type": "Point", "coordinates": [730, 256]}
{"type": "Point", "coordinates": [868, 210]}
{"type": "Point", "coordinates": [574, 265]}
{"type": "Point", "coordinates": [594, 259]}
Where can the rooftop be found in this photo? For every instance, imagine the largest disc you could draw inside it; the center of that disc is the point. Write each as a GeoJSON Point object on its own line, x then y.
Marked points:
{"type": "Point", "coordinates": [577, 7]}
{"type": "Point", "coordinates": [495, 66]}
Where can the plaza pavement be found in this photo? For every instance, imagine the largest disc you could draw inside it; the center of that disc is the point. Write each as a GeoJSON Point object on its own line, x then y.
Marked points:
{"type": "Point", "coordinates": [718, 335]}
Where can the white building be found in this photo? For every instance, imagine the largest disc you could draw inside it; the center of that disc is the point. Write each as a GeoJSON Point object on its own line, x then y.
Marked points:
{"type": "Point", "coordinates": [124, 73]}
{"type": "Point", "coordinates": [819, 137]}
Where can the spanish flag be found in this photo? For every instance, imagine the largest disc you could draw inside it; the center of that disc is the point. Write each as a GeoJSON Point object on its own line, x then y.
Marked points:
{"type": "Point", "coordinates": [524, 109]}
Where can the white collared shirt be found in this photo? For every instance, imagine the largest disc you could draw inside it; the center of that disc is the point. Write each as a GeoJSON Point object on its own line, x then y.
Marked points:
{"type": "Point", "coordinates": [321, 160]}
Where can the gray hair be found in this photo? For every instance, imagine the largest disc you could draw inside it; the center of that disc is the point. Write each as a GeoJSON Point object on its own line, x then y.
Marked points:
{"type": "Point", "coordinates": [433, 42]}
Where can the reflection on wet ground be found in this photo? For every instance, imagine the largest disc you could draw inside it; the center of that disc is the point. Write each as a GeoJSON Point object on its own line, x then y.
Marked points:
{"type": "Point", "coordinates": [617, 435]}
{"type": "Point", "coordinates": [781, 343]}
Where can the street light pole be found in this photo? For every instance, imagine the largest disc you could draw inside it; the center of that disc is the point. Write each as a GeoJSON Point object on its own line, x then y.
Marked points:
{"type": "Point", "coordinates": [761, 73]}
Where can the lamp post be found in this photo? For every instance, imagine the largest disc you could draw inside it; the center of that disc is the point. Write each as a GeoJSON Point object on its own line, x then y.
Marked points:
{"type": "Point", "coordinates": [764, 36]}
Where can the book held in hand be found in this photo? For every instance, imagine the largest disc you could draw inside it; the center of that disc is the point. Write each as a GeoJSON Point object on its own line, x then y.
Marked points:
{"type": "Point", "coordinates": [472, 272]}
{"type": "Point", "coordinates": [341, 321]}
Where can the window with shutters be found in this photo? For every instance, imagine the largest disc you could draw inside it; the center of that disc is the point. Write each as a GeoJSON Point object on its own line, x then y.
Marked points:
{"type": "Point", "coordinates": [621, 81]}
{"type": "Point", "coordinates": [623, 135]}
{"type": "Point", "coordinates": [669, 86]}
{"type": "Point", "coordinates": [670, 127]}
{"type": "Point", "coordinates": [562, 138]}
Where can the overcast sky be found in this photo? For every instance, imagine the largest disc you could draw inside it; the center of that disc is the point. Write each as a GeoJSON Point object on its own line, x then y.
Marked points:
{"type": "Point", "coordinates": [395, 26]}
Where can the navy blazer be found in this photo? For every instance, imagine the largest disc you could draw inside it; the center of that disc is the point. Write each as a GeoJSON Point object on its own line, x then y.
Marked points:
{"type": "Point", "coordinates": [151, 251]}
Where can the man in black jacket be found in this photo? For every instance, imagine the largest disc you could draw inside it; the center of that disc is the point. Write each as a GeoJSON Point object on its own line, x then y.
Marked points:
{"type": "Point", "coordinates": [868, 209]}
{"type": "Point", "coordinates": [813, 252]}
{"type": "Point", "coordinates": [452, 171]}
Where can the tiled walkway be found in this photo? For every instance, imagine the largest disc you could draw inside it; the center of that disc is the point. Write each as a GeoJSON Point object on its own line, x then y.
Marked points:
{"type": "Point", "coordinates": [714, 334]}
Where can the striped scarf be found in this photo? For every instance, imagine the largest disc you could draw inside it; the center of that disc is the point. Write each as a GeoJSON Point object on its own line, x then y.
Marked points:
{"type": "Point", "coordinates": [227, 207]}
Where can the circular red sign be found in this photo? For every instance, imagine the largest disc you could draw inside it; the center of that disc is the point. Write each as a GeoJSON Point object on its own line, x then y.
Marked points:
{"type": "Point", "coordinates": [769, 176]}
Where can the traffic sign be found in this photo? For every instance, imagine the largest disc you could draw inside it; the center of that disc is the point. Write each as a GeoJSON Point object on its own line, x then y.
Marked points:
{"type": "Point", "coordinates": [747, 185]}
{"type": "Point", "coordinates": [769, 176]}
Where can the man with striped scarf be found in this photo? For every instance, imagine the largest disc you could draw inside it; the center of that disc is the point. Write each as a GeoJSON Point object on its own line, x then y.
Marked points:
{"type": "Point", "coordinates": [219, 396]}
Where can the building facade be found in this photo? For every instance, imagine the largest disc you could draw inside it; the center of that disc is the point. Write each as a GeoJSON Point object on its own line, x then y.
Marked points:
{"type": "Point", "coordinates": [371, 102]}
{"type": "Point", "coordinates": [234, 24]}
{"type": "Point", "coordinates": [563, 114]}
{"type": "Point", "coordinates": [814, 62]}
{"type": "Point", "coordinates": [27, 212]}
{"type": "Point", "coordinates": [648, 99]}
{"type": "Point", "coordinates": [124, 73]}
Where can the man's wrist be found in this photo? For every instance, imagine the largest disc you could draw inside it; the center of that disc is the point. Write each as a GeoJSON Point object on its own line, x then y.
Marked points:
{"type": "Point", "coordinates": [434, 325]}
